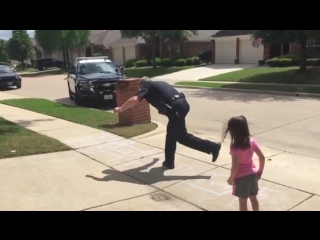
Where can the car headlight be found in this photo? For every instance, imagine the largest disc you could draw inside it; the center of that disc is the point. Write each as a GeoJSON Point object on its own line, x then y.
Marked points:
{"type": "Point", "coordinates": [17, 77]}
{"type": "Point", "coordinates": [84, 84]}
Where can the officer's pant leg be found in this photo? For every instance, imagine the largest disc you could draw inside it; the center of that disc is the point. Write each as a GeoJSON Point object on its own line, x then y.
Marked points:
{"type": "Point", "coordinates": [192, 141]}
{"type": "Point", "coordinates": [171, 143]}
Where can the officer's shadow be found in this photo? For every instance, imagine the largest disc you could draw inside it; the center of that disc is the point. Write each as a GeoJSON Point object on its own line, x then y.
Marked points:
{"type": "Point", "coordinates": [153, 176]}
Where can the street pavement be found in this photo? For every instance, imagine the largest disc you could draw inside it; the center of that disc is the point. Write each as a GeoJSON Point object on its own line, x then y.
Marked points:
{"type": "Point", "coordinates": [107, 172]}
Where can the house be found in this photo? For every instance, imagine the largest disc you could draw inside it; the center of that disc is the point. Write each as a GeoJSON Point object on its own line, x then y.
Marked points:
{"type": "Point", "coordinates": [110, 43]}
{"type": "Point", "coordinates": [228, 45]}
{"type": "Point", "coordinates": [137, 48]}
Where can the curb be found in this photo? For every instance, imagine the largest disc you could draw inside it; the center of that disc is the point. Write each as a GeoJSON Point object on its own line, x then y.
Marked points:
{"type": "Point", "coordinates": [39, 74]}
{"type": "Point", "coordinates": [290, 94]}
{"type": "Point", "coordinates": [160, 129]}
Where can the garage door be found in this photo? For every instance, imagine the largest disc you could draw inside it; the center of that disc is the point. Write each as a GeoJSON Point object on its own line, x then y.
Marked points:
{"type": "Point", "coordinates": [130, 52]}
{"type": "Point", "coordinates": [225, 51]}
{"type": "Point", "coordinates": [249, 54]}
{"type": "Point", "coordinates": [118, 55]}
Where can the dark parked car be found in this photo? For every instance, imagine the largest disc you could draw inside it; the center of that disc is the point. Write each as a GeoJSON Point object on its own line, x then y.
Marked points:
{"type": "Point", "coordinates": [93, 79]}
{"type": "Point", "coordinates": [45, 63]}
{"type": "Point", "coordinates": [9, 77]}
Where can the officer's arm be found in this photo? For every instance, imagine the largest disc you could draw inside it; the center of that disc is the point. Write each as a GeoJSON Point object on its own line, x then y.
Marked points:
{"type": "Point", "coordinates": [130, 103]}
{"type": "Point", "coordinates": [135, 99]}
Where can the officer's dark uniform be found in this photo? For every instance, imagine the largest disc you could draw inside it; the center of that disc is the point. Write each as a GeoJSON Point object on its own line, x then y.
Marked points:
{"type": "Point", "coordinates": [168, 101]}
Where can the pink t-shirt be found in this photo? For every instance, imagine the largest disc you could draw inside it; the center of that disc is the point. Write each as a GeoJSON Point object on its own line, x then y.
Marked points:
{"type": "Point", "coordinates": [246, 165]}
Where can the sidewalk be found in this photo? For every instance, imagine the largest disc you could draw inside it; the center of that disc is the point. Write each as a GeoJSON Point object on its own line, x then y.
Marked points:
{"type": "Point", "coordinates": [108, 172]}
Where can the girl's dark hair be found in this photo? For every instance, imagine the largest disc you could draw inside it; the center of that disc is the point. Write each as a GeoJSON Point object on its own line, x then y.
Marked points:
{"type": "Point", "coordinates": [239, 132]}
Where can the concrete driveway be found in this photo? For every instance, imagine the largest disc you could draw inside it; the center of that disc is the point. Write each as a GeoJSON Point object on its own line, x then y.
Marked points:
{"type": "Point", "coordinates": [202, 72]}
{"type": "Point", "coordinates": [279, 122]}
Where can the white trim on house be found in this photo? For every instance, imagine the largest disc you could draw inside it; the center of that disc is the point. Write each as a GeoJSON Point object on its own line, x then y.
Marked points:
{"type": "Point", "coordinates": [123, 45]}
{"type": "Point", "coordinates": [228, 38]}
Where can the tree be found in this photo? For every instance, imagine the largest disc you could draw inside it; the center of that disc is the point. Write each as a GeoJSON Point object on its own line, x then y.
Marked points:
{"type": "Point", "coordinates": [288, 36]}
{"type": "Point", "coordinates": [19, 47]}
{"type": "Point", "coordinates": [48, 39]}
{"type": "Point", "coordinates": [63, 40]}
{"type": "Point", "coordinates": [151, 36]}
{"type": "Point", "coordinates": [3, 54]}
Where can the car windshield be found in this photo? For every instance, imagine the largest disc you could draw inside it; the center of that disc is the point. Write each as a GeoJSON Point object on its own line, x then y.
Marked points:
{"type": "Point", "coordinates": [97, 67]}
{"type": "Point", "coordinates": [5, 69]}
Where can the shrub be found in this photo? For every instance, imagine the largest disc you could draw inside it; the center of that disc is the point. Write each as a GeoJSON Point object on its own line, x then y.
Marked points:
{"type": "Point", "coordinates": [189, 61]}
{"type": "Point", "coordinates": [196, 61]}
{"type": "Point", "coordinates": [149, 63]}
{"type": "Point", "coordinates": [286, 62]}
{"type": "Point", "coordinates": [167, 62]}
{"type": "Point", "coordinates": [314, 62]}
{"type": "Point", "coordinates": [180, 62]}
{"type": "Point", "coordinates": [141, 63]}
{"type": "Point", "coordinates": [158, 61]}
{"type": "Point", "coordinates": [277, 62]}
{"type": "Point", "coordinates": [130, 63]}
{"type": "Point", "coordinates": [205, 56]}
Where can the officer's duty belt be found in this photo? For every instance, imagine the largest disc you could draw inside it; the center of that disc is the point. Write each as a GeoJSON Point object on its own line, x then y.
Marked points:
{"type": "Point", "coordinates": [175, 97]}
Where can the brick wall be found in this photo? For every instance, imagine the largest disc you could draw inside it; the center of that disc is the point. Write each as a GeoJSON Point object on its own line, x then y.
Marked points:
{"type": "Point", "coordinates": [294, 48]}
{"type": "Point", "coordinates": [144, 51]}
{"type": "Point", "coordinates": [138, 114]}
{"type": "Point", "coordinates": [192, 49]}
{"type": "Point", "coordinates": [108, 52]}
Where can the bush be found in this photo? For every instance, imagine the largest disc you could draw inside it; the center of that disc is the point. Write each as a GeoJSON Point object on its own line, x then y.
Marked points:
{"type": "Point", "coordinates": [180, 62]}
{"type": "Point", "coordinates": [130, 63]}
{"type": "Point", "coordinates": [196, 61]}
{"type": "Point", "coordinates": [205, 56]}
{"type": "Point", "coordinates": [141, 63]}
{"type": "Point", "coordinates": [277, 62]}
{"type": "Point", "coordinates": [158, 61]}
{"type": "Point", "coordinates": [167, 62]}
{"type": "Point", "coordinates": [189, 61]}
{"type": "Point", "coordinates": [314, 62]}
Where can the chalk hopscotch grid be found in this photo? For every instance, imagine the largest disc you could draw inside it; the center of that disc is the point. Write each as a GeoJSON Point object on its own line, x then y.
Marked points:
{"type": "Point", "coordinates": [120, 150]}
{"type": "Point", "coordinates": [97, 139]}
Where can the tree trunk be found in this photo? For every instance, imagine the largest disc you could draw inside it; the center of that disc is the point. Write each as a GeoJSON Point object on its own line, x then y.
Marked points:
{"type": "Point", "coordinates": [64, 58]}
{"type": "Point", "coordinates": [67, 58]}
{"type": "Point", "coordinates": [303, 54]}
{"type": "Point", "coordinates": [153, 52]}
{"type": "Point", "coordinates": [22, 63]}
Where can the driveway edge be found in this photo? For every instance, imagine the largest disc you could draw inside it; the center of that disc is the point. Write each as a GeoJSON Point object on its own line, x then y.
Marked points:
{"type": "Point", "coordinates": [290, 94]}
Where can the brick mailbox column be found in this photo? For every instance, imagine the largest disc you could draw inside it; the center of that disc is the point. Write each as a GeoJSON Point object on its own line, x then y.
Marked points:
{"type": "Point", "coordinates": [138, 114]}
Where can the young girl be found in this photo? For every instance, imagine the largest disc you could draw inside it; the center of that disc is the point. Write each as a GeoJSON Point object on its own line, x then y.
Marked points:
{"type": "Point", "coordinates": [244, 176]}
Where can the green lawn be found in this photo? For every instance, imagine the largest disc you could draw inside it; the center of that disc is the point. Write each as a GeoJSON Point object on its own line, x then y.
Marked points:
{"type": "Point", "coordinates": [287, 75]}
{"type": "Point", "coordinates": [26, 70]}
{"type": "Point", "coordinates": [277, 88]}
{"type": "Point", "coordinates": [150, 72]}
{"type": "Point", "coordinates": [55, 71]}
{"type": "Point", "coordinates": [17, 141]}
{"type": "Point", "coordinates": [85, 116]}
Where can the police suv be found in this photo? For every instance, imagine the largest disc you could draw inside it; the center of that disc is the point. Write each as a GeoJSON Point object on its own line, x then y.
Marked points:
{"type": "Point", "coordinates": [93, 78]}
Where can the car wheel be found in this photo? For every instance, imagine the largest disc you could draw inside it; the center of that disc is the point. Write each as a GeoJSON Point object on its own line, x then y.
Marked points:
{"type": "Point", "coordinates": [79, 101]}
{"type": "Point", "coordinates": [18, 85]}
{"type": "Point", "coordinates": [70, 93]}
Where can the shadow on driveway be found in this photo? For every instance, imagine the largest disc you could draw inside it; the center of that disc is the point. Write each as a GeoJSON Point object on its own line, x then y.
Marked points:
{"type": "Point", "coordinates": [155, 175]}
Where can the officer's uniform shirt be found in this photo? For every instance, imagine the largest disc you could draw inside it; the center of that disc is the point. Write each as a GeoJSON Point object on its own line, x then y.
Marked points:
{"type": "Point", "coordinates": [157, 92]}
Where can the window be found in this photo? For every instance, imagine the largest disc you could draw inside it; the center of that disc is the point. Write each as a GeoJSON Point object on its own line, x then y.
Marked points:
{"type": "Point", "coordinates": [97, 67]}
{"type": "Point", "coordinates": [315, 42]}
{"type": "Point", "coordinates": [313, 46]}
{"type": "Point", "coordinates": [5, 69]}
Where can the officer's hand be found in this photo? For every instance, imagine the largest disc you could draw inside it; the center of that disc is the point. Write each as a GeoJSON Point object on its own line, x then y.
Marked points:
{"type": "Point", "coordinates": [116, 110]}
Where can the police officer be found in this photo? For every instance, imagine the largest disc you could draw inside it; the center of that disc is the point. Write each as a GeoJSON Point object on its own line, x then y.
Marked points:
{"type": "Point", "coordinates": [169, 102]}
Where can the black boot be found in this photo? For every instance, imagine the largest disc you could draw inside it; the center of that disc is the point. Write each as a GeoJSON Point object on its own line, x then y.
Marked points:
{"type": "Point", "coordinates": [168, 165]}
{"type": "Point", "coordinates": [215, 152]}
